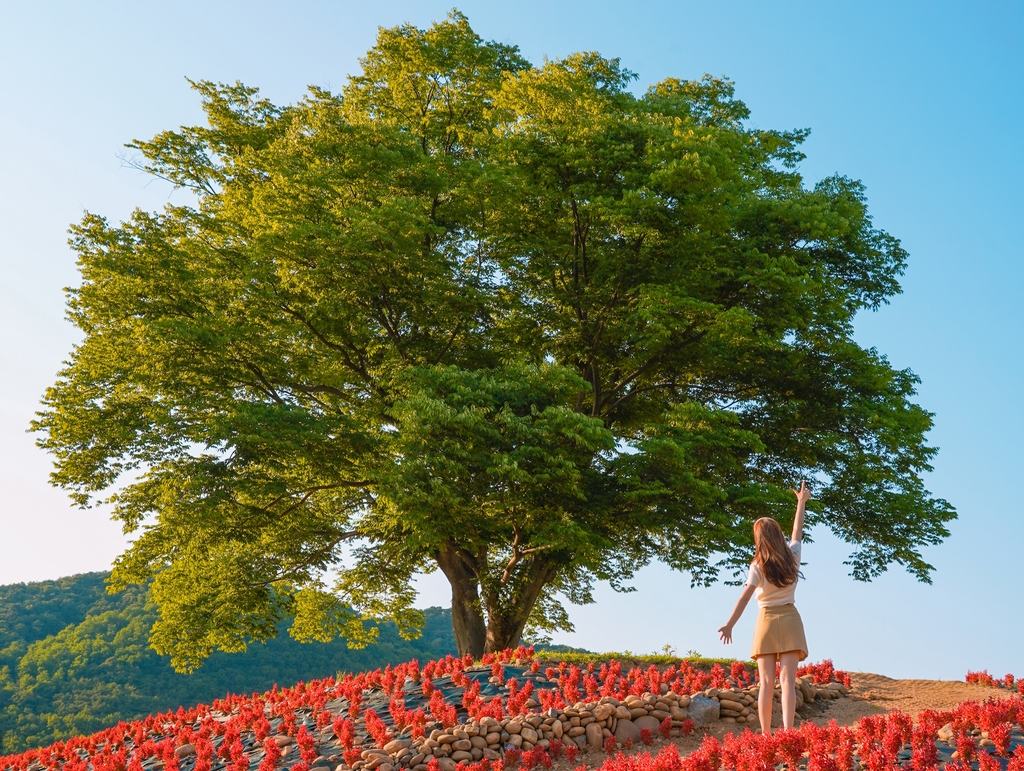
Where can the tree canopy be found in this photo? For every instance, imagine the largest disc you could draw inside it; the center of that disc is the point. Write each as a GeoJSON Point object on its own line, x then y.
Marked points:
{"type": "Point", "coordinates": [512, 322]}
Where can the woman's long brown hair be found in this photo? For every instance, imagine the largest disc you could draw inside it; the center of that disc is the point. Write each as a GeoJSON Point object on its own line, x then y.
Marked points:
{"type": "Point", "coordinates": [772, 553]}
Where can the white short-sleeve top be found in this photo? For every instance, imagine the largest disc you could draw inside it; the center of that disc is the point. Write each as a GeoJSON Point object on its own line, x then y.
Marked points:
{"type": "Point", "coordinates": [768, 594]}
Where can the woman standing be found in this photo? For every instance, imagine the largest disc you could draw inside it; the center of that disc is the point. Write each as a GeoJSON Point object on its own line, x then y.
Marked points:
{"type": "Point", "coordinates": [779, 633]}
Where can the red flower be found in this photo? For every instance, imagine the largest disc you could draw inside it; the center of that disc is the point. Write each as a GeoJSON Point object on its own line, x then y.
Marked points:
{"type": "Point", "coordinates": [965, 747]}
{"type": "Point", "coordinates": [272, 754]}
{"type": "Point", "coordinates": [980, 678]}
{"type": "Point", "coordinates": [376, 727]}
{"type": "Point", "coordinates": [718, 677]}
{"type": "Point", "coordinates": [307, 746]}
{"type": "Point", "coordinates": [665, 728]}
{"type": "Point", "coordinates": [791, 745]}
{"type": "Point", "coordinates": [986, 762]}
{"type": "Point", "coordinates": [344, 731]}
{"type": "Point", "coordinates": [1017, 761]}
{"type": "Point", "coordinates": [822, 673]}
{"type": "Point", "coordinates": [924, 755]}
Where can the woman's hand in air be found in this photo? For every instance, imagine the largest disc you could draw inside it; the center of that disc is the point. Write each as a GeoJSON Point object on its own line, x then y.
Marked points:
{"type": "Point", "coordinates": [803, 494]}
{"type": "Point", "coordinates": [726, 634]}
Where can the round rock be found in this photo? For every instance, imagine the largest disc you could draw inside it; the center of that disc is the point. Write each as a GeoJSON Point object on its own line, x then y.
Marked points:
{"type": "Point", "coordinates": [627, 730]}
{"type": "Point", "coordinates": [651, 723]}
{"type": "Point", "coordinates": [594, 736]}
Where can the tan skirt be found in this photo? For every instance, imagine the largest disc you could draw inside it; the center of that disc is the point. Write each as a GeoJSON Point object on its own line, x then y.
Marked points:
{"type": "Point", "coordinates": [779, 630]}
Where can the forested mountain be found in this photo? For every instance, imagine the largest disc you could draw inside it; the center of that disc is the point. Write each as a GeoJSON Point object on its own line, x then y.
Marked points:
{"type": "Point", "coordinates": [74, 659]}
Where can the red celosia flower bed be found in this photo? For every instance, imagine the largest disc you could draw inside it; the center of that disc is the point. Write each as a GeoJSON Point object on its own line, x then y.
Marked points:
{"type": "Point", "coordinates": [231, 732]}
{"type": "Point", "coordinates": [875, 743]}
{"type": "Point", "coordinates": [358, 715]}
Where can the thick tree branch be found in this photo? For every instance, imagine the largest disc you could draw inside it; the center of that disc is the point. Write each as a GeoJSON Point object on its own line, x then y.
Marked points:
{"type": "Point", "coordinates": [517, 554]}
{"type": "Point", "coordinates": [345, 353]}
{"type": "Point", "coordinates": [647, 366]}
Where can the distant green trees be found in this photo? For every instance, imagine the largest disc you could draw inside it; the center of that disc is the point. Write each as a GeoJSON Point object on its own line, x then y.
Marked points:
{"type": "Point", "coordinates": [74, 660]}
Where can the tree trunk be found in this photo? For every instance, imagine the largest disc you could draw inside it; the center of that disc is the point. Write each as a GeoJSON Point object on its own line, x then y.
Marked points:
{"type": "Point", "coordinates": [506, 616]}
{"type": "Point", "coordinates": [506, 621]}
{"type": "Point", "coordinates": [467, 613]}
{"type": "Point", "coordinates": [505, 630]}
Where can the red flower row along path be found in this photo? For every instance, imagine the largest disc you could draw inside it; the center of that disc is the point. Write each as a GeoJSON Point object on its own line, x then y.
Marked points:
{"type": "Point", "coordinates": [877, 743]}
{"type": "Point", "coordinates": [1006, 681]}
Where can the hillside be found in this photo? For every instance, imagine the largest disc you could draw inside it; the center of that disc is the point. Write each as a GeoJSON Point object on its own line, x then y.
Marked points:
{"type": "Point", "coordinates": [525, 711]}
{"type": "Point", "coordinates": [74, 659]}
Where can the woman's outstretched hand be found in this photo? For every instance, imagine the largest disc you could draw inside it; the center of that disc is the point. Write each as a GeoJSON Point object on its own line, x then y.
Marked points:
{"type": "Point", "coordinates": [803, 494]}
{"type": "Point", "coordinates": [726, 634]}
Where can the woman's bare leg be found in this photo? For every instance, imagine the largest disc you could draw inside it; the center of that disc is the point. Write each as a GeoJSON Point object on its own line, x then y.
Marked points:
{"type": "Point", "coordinates": [766, 669]}
{"type": "Point", "coordinates": [788, 662]}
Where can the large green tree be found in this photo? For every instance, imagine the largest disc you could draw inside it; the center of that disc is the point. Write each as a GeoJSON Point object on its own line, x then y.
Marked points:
{"type": "Point", "coordinates": [514, 323]}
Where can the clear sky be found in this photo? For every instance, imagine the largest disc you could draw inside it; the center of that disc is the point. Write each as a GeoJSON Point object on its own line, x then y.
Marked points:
{"type": "Point", "coordinates": [922, 101]}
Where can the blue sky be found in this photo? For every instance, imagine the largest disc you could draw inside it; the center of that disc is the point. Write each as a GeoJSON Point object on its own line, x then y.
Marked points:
{"type": "Point", "coordinates": [923, 102]}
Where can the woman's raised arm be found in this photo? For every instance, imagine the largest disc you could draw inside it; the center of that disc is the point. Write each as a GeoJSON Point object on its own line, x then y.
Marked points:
{"type": "Point", "coordinates": [802, 496]}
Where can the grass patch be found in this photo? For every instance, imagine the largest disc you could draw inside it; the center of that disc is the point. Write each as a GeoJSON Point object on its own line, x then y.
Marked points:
{"type": "Point", "coordinates": [631, 659]}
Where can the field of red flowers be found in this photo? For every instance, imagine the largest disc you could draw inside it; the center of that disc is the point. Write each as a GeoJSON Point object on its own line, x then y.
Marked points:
{"type": "Point", "coordinates": [451, 714]}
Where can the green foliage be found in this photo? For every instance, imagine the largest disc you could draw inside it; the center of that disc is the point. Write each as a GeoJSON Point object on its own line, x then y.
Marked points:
{"type": "Point", "coordinates": [513, 322]}
{"type": "Point", "coordinates": [77, 660]}
{"type": "Point", "coordinates": [34, 611]}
